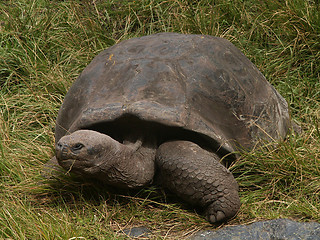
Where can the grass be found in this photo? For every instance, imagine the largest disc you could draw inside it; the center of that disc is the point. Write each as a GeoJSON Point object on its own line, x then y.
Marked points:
{"type": "Point", "coordinates": [44, 45]}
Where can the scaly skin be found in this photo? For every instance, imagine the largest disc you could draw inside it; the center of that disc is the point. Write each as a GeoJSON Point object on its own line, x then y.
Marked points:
{"type": "Point", "coordinates": [197, 176]}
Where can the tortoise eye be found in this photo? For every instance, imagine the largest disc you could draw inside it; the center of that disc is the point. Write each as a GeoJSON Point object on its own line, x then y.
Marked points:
{"type": "Point", "coordinates": [77, 146]}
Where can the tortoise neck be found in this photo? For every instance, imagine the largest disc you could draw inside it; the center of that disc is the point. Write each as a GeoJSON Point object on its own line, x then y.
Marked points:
{"type": "Point", "coordinates": [133, 167]}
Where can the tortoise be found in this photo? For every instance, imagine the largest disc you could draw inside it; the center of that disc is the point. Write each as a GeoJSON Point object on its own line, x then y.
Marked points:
{"type": "Point", "coordinates": [175, 107]}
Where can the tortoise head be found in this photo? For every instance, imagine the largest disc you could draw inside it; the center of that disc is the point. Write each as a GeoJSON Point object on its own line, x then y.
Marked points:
{"type": "Point", "coordinates": [86, 151]}
{"type": "Point", "coordinates": [96, 155]}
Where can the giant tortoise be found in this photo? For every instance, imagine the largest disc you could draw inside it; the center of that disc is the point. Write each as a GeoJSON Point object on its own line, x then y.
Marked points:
{"type": "Point", "coordinates": [173, 106]}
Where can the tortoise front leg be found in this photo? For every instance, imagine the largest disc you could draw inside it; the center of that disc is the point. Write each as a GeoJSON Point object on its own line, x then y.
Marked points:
{"type": "Point", "coordinates": [198, 177]}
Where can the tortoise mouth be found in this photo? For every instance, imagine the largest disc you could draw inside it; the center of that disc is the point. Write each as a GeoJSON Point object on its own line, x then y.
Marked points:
{"type": "Point", "coordinates": [130, 128]}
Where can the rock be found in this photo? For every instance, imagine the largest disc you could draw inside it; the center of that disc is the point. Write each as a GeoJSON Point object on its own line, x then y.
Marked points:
{"type": "Point", "coordinates": [136, 232]}
{"type": "Point", "coordinates": [278, 229]}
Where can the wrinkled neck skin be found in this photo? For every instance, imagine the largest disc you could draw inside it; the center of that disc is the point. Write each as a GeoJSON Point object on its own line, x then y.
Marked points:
{"type": "Point", "coordinates": [133, 166]}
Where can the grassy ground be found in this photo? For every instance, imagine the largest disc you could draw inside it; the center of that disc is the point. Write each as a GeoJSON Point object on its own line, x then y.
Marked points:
{"type": "Point", "coordinates": [44, 45]}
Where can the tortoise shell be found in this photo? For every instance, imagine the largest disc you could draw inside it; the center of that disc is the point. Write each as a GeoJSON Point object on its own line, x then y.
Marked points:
{"type": "Point", "coordinates": [201, 84]}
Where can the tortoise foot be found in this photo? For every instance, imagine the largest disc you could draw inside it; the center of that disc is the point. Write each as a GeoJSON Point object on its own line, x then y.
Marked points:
{"type": "Point", "coordinates": [198, 177]}
{"type": "Point", "coordinates": [222, 209]}
{"type": "Point", "coordinates": [216, 217]}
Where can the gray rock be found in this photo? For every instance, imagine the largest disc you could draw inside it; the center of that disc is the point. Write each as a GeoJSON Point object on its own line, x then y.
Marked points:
{"type": "Point", "coordinates": [278, 229]}
{"type": "Point", "coordinates": [137, 232]}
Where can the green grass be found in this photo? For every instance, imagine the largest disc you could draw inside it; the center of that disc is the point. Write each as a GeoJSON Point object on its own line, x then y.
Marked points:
{"type": "Point", "coordinates": [44, 45]}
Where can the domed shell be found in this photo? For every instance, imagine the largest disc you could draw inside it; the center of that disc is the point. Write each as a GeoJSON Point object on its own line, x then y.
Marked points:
{"type": "Point", "coordinates": [196, 82]}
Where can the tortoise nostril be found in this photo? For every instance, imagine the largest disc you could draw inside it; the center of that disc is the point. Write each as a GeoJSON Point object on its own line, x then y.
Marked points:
{"type": "Point", "coordinates": [59, 145]}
